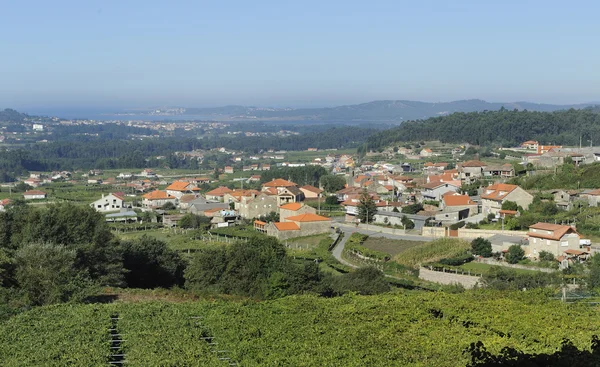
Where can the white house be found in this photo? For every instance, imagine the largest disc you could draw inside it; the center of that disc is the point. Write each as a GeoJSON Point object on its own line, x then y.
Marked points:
{"type": "Point", "coordinates": [108, 203]}
{"type": "Point", "coordinates": [34, 194]}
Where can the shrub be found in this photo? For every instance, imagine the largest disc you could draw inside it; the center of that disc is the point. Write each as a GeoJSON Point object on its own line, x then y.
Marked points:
{"type": "Point", "coordinates": [481, 247]}
{"type": "Point", "coordinates": [515, 254]}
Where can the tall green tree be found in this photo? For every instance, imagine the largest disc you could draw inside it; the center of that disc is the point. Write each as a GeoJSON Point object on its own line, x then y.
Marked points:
{"type": "Point", "coordinates": [367, 208]}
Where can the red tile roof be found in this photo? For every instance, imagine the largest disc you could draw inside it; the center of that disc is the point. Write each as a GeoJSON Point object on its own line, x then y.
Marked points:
{"type": "Point", "coordinates": [178, 186]}
{"type": "Point", "coordinates": [279, 182]}
{"type": "Point", "coordinates": [558, 230]}
{"type": "Point", "coordinates": [457, 200]}
{"type": "Point", "coordinates": [498, 191]}
{"type": "Point", "coordinates": [219, 191]}
{"type": "Point", "coordinates": [34, 192]}
{"type": "Point", "coordinates": [308, 217]}
{"type": "Point", "coordinates": [286, 226]}
{"type": "Point", "coordinates": [310, 188]}
{"type": "Point", "coordinates": [291, 206]}
{"type": "Point", "coordinates": [157, 195]}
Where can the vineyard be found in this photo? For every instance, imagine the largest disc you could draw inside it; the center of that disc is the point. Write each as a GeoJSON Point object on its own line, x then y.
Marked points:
{"type": "Point", "coordinates": [403, 329]}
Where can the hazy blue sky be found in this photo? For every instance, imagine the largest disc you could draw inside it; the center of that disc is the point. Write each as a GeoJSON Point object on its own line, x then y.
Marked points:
{"type": "Point", "coordinates": [303, 53]}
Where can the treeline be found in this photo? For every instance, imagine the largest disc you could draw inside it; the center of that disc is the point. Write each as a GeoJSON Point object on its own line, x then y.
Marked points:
{"type": "Point", "coordinates": [503, 127]}
{"type": "Point", "coordinates": [66, 253]}
{"type": "Point", "coordinates": [307, 175]}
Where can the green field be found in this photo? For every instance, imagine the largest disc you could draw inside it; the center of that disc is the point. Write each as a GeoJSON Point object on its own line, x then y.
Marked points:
{"type": "Point", "coordinates": [389, 246]}
{"type": "Point", "coordinates": [427, 329]}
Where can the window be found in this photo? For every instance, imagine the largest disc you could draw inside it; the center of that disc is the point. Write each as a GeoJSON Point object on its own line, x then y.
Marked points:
{"type": "Point", "coordinates": [564, 243]}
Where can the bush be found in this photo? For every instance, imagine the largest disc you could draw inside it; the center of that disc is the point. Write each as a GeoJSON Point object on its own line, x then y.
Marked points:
{"type": "Point", "coordinates": [331, 200]}
{"type": "Point", "coordinates": [515, 254]}
{"type": "Point", "coordinates": [491, 216]}
{"type": "Point", "coordinates": [458, 260]}
{"type": "Point", "coordinates": [458, 225]}
{"type": "Point", "coordinates": [546, 256]}
{"type": "Point", "coordinates": [472, 226]}
{"type": "Point", "coordinates": [481, 247]}
{"type": "Point", "coordinates": [407, 223]}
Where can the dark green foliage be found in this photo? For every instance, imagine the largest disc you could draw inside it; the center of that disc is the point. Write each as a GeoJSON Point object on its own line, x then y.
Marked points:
{"type": "Point", "coordinates": [46, 273]}
{"type": "Point", "coordinates": [515, 254]}
{"type": "Point", "coordinates": [505, 127]}
{"type": "Point", "coordinates": [366, 281]}
{"type": "Point", "coordinates": [412, 209]}
{"type": "Point", "coordinates": [594, 276]}
{"type": "Point", "coordinates": [546, 256]}
{"type": "Point", "coordinates": [509, 205]}
{"type": "Point", "coordinates": [272, 217]}
{"type": "Point", "coordinates": [504, 278]}
{"type": "Point", "coordinates": [482, 247]}
{"type": "Point", "coordinates": [150, 264]}
{"type": "Point", "coordinates": [333, 183]}
{"type": "Point", "coordinates": [567, 355]}
{"type": "Point", "coordinates": [331, 200]}
{"type": "Point", "coordinates": [169, 206]}
{"type": "Point", "coordinates": [366, 208]}
{"type": "Point", "coordinates": [395, 210]}
{"type": "Point", "coordinates": [194, 221]}
{"type": "Point", "coordinates": [457, 225]}
{"type": "Point", "coordinates": [407, 223]}
{"type": "Point", "coordinates": [458, 260]}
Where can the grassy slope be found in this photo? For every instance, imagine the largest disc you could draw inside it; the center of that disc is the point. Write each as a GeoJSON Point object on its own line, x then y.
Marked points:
{"type": "Point", "coordinates": [386, 330]}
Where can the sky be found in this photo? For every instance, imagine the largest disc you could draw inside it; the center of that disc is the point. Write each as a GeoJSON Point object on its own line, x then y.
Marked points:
{"type": "Point", "coordinates": [138, 54]}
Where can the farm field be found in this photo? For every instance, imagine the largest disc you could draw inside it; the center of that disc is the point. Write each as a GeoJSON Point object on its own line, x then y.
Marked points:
{"type": "Point", "coordinates": [389, 246]}
{"type": "Point", "coordinates": [403, 329]}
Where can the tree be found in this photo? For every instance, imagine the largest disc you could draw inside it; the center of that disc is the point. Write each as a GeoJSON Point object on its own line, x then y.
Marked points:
{"type": "Point", "coordinates": [169, 206]}
{"type": "Point", "coordinates": [150, 263]}
{"type": "Point", "coordinates": [194, 221]}
{"type": "Point", "coordinates": [395, 210]}
{"type": "Point", "coordinates": [594, 266]}
{"type": "Point", "coordinates": [333, 183]}
{"type": "Point", "coordinates": [407, 223]}
{"type": "Point", "coordinates": [546, 256]}
{"type": "Point", "coordinates": [272, 217]}
{"type": "Point", "coordinates": [366, 208]}
{"type": "Point", "coordinates": [509, 205]}
{"type": "Point", "coordinates": [412, 209]}
{"type": "Point", "coordinates": [515, 254]}
{"type": "Point", "coordinates": [481, 247]}
{"type": "Point", "coordinates": [331, 200]}
{"type": "Point", "coordinates": [46, 273]}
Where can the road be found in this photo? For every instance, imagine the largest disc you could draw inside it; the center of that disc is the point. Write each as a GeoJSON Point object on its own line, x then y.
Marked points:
{"type": "Point", "coordinates": [348, 229]}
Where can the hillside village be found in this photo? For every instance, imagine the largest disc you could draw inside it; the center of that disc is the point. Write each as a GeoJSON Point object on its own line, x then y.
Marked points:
{"type": "Point", "coordinates": [444, 191]}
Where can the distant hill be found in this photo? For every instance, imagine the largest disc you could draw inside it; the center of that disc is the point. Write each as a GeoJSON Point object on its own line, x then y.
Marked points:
{"type": "Point", "coordinates": [504, 127]}
{"type": "Point", "coordinates": [9, 115]}
{"type": "Point", "coordinates": [384, 111]}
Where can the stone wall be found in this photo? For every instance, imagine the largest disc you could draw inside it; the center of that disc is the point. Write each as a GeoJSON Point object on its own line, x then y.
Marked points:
{"type": "Point", "coordinates": [467, 281]}
{"type": "Point", "coordinates": [469, 234]}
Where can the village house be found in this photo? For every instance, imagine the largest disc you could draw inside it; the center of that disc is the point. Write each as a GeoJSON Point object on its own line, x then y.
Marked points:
{"type": "Point", "coordinates": [495, 195]}
{"type": "Point", "coordinates": [292, 209]}
{"type": "Point", "coordinates": [504, 171]}
{"type": "Point", "coordinates": [286, 191]}
{"type": "Point", "coordinates": [148, 173]}
{"type": "Point", "coordinates": [298, 226]}
{"type": "Point", "coordinates": [109, 203]}
{"type": "Point", "coordinates": [228, 169]}
{"type": "Point", "coordinates": [218, 193]}
{"type": "Point", "coordinates": [34, 195]}
{"type": "Point", "coordinates": [4, 203]}
{"type": "Point", "coordinates": [530, 144]}
{"type": "Point", "coordinates": [471, 171]}
{"type": "Point", "coordinates": [311, 192]}
{"type": "Point", "coordinates": [156, 199]}
{"type": "Point", "coordinates": [435, 190]}
{"type": "Point", "coordinates": [426, 152]}
{"type": "Point", "coordinates": [180, 188]}
{"type": "Point", "coordinates": [456, 207]}
{"type": "Point", "coordinates": [257, 206]}
{"type": "Point", "coordinates": [433, 168]}
{"type": "Point", "coordinates": [554, 238]}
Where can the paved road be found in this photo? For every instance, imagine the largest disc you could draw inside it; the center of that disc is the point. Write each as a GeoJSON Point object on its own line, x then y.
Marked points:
{"type": "Point", "coordinates": [348, 229]}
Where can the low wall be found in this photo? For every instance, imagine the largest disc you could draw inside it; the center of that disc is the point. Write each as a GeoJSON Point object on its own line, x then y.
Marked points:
{"type": "Point", "coordinates": [467, 281]}
{"type": "Point", "coordinates": [469, 233]}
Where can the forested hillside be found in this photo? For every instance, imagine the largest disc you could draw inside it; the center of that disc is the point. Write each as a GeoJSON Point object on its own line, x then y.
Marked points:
{"type": "Point", "coordinates": [503, 127]}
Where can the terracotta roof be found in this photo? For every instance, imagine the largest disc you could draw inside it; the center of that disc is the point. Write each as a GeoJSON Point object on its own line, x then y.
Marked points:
{"type": "Point", "coordinates": [308, 217]}
{"type": "Point", "coordinates": [279, 182]}
{"type": "Point", "coordinates": [474, 164]}
{"type": "Point", "coordinates": [5, 201]}
{"type": "Point", "coordinates": [286, 226]}
{"type": "Point", "coordinates": [157, 195]}
{"type": "Point", "coordinates": [558, 230]}
{"type": "Point", "coordinates": [457, 200]}
{"type": "Point", "coordinates": [529, 142]}
{"type": "Point", "coordinates": [187, 198]}
{"type": "Point", "coordinates": [311, 188]}
{"type": "Point", "coordinates": [178, 186]}
{"type": "Point", "coordinates": [270, 191]}
{"type": "Point", "coordinates": [34, 192]}
{"type": "Point", "coordinates": [508, 212]}
{"type": "Point", "coordinates": [498, 191]}
{"type": "Point", "coordinates": [574, 252]}
{"type": "Point", "coordinates": [119, 195]}
{"type": "Point", "coordinates": [260, 222]}
{"type": "Point", "coordinates": [291, 206]}
{"type": "Point", "coordinates": [594, 192]}
{"type": "Point", "coordinates": [219, 191]}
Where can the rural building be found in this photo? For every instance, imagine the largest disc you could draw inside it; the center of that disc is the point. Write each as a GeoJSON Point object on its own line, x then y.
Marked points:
{"type": "Point", "coordinates": [292, 209]}
{"type": "Point", "coordinates": [109, 203]}
{"type": "Point", "coordinates": [299, 226]}
{"type": "Point", "coordinates": [435, 190]}
{"type": "Point", "coordinates": [495, 195]}
{"type": "Point", "coordinates": [257, 206]}
{"type": "Point", "coordinates": [180, 188]}
{"type": "Point", "coordinates": [311, 192]}
{"type": "Point", "coordinates": [471, 171]}
{"type": "Point", "coordinates": [218, 193]}
{"type": "Point", "coordinates": [553, 238]}
{"type": "Point", "coordinates": [34, 194]}
{"type": "Point", "coordinates": [157, 199]}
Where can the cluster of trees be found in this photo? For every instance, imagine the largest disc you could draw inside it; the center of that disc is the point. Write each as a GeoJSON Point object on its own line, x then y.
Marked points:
{"type": "Point", "coordinates": [261, 268]}
{"type": "Point", "coordinates": [307, 175]}
{"type": "Point", "coordinates": [503, 127]}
